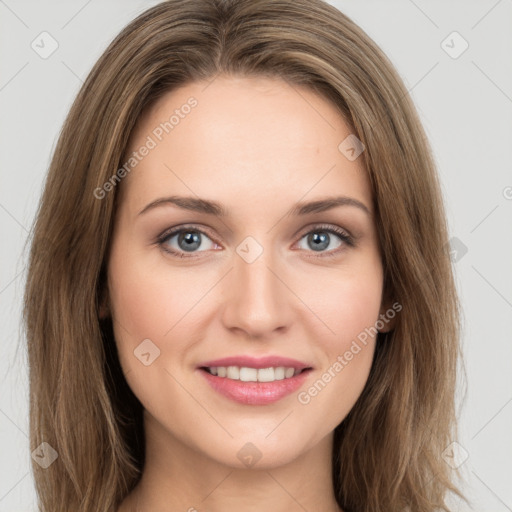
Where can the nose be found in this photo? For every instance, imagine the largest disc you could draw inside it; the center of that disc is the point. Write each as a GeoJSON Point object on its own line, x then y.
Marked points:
{"type": "Point", "coordinates": [256, 300]}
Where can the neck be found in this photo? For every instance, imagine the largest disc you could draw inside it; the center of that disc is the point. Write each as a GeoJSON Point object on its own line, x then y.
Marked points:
{"type": "Point", "coordinates": [178, 478]}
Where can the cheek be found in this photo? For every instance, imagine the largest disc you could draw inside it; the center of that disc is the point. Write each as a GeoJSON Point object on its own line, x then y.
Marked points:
{"type": "Point", "coordinates": [345, 301]}
{"type": "Point", "coordinates": [145, 303]}
{"type": "Point", "coordinates": [349, 309]}
{"type": "Point", "coordinates": [147, 295]}
{"type": "Point", "coordinates": [358, 308]}
{"type": "Point", "coordinates": [149, 304]}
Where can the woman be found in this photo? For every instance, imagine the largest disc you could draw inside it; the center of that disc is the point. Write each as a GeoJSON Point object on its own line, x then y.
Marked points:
{"type": "Point", "coordinates": [239, 294]}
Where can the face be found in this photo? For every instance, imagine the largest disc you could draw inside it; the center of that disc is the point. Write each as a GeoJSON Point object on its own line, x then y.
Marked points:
{"type": "Point", "coordinates": [249, 320]}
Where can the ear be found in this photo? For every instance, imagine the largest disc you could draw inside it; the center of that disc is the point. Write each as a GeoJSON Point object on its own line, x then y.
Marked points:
{"type": "Point", "coordinates": [387, 315]}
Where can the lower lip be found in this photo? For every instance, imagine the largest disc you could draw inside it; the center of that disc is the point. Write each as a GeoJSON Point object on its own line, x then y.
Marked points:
{"type": "Point", "coordinates": [255, 393]}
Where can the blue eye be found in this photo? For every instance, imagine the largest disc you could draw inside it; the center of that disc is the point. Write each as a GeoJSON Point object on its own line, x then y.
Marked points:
{"type": "Point", "coordinates": [187, 240]}
{"type": "Point", "coordinates": [321, 237]}
{"type": "Point", "coordinates": [184, 241]}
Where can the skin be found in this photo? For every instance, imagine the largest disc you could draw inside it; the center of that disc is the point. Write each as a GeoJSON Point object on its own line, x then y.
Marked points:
{"type": "Point", "coordinates": [258, 146]}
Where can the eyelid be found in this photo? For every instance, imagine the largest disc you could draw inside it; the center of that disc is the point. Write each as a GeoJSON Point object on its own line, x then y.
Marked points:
{"type": "Point", "coordinates": [170, 232]}
{"type": "Point", "coordinates": [315, 226]}
{"type": "Point", "coordinates": [184, 227]}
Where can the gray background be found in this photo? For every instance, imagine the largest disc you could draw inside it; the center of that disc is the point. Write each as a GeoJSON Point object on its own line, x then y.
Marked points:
{"type": "Point", "coordinates": [466, 106]}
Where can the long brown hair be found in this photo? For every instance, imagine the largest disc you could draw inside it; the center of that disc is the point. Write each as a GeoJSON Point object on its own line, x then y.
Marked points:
{"type": "Point", "coordinates": [387, 451]}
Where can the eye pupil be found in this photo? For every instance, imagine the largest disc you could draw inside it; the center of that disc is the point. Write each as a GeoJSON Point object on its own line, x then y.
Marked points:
{"type": "Point", "coordinates": [192, 240]}
{"type": "Point", "coordinates": [320, 241]}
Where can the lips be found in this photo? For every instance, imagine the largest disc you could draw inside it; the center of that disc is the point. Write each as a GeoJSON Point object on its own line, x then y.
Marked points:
{"type": "Point", "coordinates": [255, 381]}
{"type": "Point", "coordinates": [254, 362]}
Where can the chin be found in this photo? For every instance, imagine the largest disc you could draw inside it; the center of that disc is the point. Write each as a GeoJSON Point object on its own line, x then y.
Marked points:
{"type": "Point", "coordinates": [262, 453]}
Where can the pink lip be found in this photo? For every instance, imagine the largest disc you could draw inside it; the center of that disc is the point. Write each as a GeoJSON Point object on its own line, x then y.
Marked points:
{"type": "Point", "coordinates": [253, 362]}
{"type": "Point", "coordinates": [255, 393]}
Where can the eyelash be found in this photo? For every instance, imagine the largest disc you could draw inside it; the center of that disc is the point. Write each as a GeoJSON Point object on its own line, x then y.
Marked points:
{"type": "Point", "coordinates": [344, 236]}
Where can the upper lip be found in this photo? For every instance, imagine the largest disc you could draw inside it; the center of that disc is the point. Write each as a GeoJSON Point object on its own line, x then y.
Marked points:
{"type": "Point", "coordinates": [257, 362]}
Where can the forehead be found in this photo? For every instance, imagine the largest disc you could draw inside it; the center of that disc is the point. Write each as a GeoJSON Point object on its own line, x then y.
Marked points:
{"type": "Point", "coordinates": [243, 139]}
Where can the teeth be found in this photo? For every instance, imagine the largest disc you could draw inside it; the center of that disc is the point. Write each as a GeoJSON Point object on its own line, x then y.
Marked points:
{"type": "Point", "coordinates": [246, 374]}
{"type": "Point", "coordinates": [289, 373]}
{"type": "Point", "coordinates": [266, 375]}
{"type": "Point", "coordinates": [233, 372]}
{"type": "Point", "coordinates": [279, 373]}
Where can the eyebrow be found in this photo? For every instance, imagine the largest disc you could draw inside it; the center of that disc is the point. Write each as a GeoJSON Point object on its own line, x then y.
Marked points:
{"type": "Point", "coordinates": [214, 208]}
